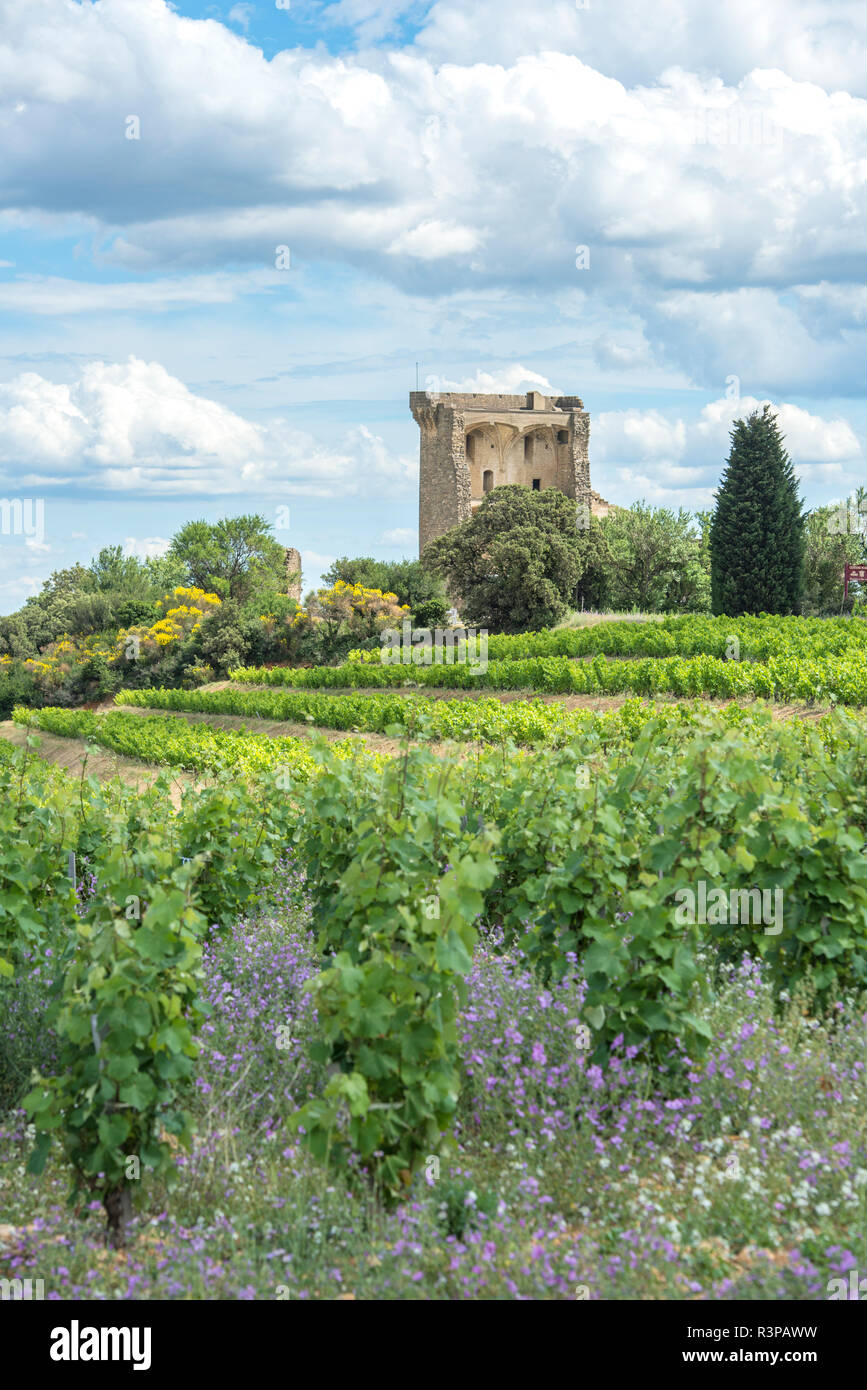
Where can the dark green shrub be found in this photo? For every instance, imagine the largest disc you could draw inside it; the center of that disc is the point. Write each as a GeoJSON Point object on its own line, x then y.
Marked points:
{"type": "Point", "coordinates": [17, 687]}
{"type": "Point", "coordinates": [431, 614]}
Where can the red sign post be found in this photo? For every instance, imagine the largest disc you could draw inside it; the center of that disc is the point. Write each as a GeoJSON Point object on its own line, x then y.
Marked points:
{"type": "Point", "coordinates": [856, 572]}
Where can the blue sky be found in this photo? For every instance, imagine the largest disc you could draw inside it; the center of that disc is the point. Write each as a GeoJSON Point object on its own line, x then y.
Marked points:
{"type": "Point", "coordinates": [432, 170]}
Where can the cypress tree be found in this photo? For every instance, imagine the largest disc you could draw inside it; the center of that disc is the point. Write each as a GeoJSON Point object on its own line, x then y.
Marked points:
{"type": "Point", "coordinates": [757, 531]}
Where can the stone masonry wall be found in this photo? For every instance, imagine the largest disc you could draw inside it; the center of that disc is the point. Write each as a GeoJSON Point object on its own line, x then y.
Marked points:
{"type": "Point", "coordinates": [523, 437]}
{"type": "Point", "coordinates": [293, 567]}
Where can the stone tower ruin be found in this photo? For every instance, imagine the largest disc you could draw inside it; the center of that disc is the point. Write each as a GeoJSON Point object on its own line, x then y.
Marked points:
{"type": "Point", "coordinates": [293, 574]}
{"type": "Point", "coordinates": [473, 443]}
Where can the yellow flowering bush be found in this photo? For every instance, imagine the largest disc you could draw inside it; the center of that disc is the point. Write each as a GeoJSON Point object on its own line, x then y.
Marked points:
{"type": "Point", "coordinates": [348, 613]}
{"type": "Point", "coordinates": [63, 660]}
{"type": "Point", "coordinates": [361, 612]}
{"type": "Point", "coordinates": [78, 668]}
{"type": "Point", "coordinates": [185, 611]}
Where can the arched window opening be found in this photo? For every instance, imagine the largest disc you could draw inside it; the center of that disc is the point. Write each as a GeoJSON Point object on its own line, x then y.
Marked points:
{"type": "Point", "coordinates": [487, 480]}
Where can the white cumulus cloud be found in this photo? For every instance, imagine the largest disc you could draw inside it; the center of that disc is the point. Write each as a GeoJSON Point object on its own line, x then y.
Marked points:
{"type": "Point", "coordinates": [146, 548]}
{"type": "Point", "coordinates": [507, 381]}
{"type": "Point", "coordinates": [132, 427]}
{"type": "Point", "coordinates": [405, 536]}
{"type": "Point", "coordinates": [672, 461]}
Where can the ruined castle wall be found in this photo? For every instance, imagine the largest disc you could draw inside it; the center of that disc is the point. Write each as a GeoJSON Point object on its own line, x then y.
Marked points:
{"type": "Point", "coordinates": [579, 458]}
{"type": "Point", "coordinates": [471, 443]}
{"type": "Point", "coordinates": [444, 480]}
{"type": "Point", "coordinates": [293, 568]}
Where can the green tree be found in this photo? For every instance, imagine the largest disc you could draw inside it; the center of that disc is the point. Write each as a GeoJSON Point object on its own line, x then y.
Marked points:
{"type": "Point", "coordinates": [833, 537]}
{"type": "Point", "coordinates": [231, 557]}
{"type": "Point", "coordinates": [17, 687]}
{"type": "Point", "coordinates": [61, 583]}
{"type": "Point", "coordinates": [15, 639]}
{"type": "Point", "coordinates": [656, 560]}
{"type": "Point", "coordinates": [593, 585]}
{"type": "Point", "coordinates": [688, 590]}
{"type": "Point", "coordinates": [516, 563]}
{"type": "Point", "coordinates": [165, 573]}
{"type": "Point", "coordinates": [410, 580]}
{"type": "Point", "coordinates": [119, 574]}
{"type": "Point", "coordinates": [51, 613]}
{"type": "Point", "coordinates": [757, 533]}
